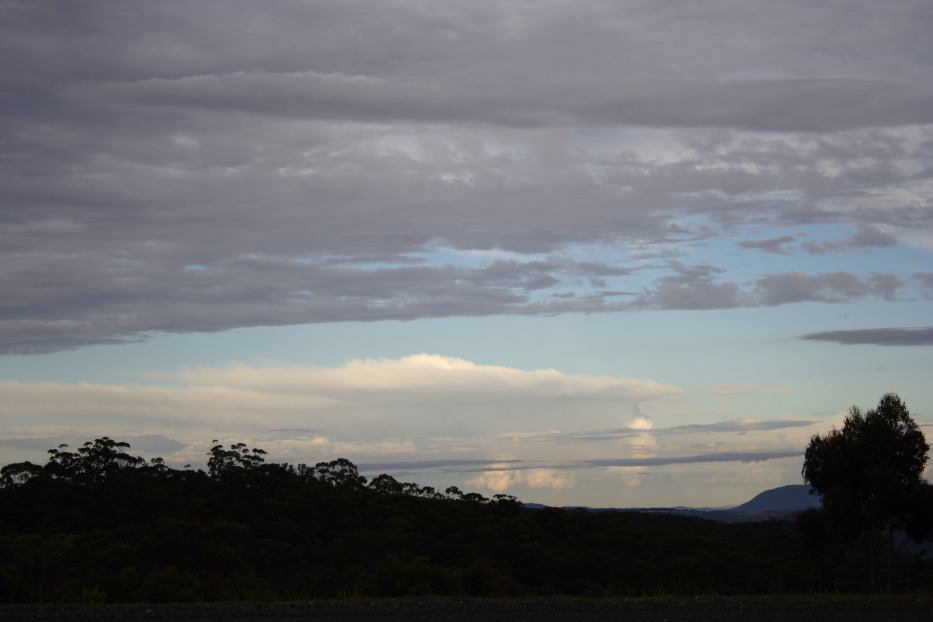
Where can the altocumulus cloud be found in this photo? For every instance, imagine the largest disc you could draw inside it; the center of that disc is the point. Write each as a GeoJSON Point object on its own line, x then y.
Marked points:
{"type": "Point", "coordinates": [172, 167]}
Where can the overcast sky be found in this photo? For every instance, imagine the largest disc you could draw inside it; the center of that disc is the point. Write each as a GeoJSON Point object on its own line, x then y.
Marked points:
{"type": "Point", "coordinates": [612, 253]}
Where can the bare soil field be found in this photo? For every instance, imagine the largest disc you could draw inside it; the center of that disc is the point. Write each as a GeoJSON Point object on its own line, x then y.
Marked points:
{"type": "Point", "coordinates": [706, 609]}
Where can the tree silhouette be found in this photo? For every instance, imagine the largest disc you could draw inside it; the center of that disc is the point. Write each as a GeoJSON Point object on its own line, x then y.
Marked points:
{"type": "Point", "coordinates": [869, 474]}
{"type": "Point", "coordinates": [385, 484]}
{"type": "Point", "coordinates": [339, 473]}
{"type": "Point", "coordinates": [223, 462]}
{"type": "Point", "coordinates": [18, 473]}
{"type": "Point", "coordinates": [146, 531]}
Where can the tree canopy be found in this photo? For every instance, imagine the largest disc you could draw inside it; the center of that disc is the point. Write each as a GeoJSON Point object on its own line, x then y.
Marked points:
{"type": "Point", "coordinates": [99, 524]}
{"type": "Point", "coordinates": [868, 472]}
{"type": "Point", "coordinates": [869, 475]}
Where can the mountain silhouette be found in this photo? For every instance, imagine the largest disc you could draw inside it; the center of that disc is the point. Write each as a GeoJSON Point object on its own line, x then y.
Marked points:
{"type": "Point", "coordinates": [790, 498]}
{"type": "Point", "coordinates": [783, 502]}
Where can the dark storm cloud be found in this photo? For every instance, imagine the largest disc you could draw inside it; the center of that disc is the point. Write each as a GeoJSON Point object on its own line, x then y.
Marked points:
{"type": "Point", "coordinates": [877, 336]}
{"type": "Point", "coordinates": [174, 166]}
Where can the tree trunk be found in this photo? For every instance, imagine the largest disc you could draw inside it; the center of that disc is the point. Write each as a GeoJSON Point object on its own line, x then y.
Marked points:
{"type": "Point", "coordinates": [890, 555]}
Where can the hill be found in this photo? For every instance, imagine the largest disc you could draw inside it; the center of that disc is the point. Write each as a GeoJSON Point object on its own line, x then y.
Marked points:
{"type": "Point", "coordinates": [783, 502]}
{"type": "Point", "coordinates": [783, 499]}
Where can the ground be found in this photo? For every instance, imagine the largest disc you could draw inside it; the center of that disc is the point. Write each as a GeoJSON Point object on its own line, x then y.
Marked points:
{"type": "Point", "coordinates": [665, 609]}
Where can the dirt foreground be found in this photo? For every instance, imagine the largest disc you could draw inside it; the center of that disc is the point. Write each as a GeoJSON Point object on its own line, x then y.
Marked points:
{"type": "Point", "coordinates": [706, 609]}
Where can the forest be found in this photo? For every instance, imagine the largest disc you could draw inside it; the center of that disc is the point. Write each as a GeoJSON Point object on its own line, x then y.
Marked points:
{"type": "Point", "coordinates": [99, 524]}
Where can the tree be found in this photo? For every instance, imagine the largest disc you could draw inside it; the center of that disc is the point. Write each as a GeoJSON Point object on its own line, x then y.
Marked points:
{"type": "Point", "coordinates": [239, 457]}
{"type": "Point", "coordinates": [869, 474]}
{"type": "Point", "coordinates": [104, 457]}
{"type": "Point", "coordinates": [386, 484]}
{"type": "Point", "coordinates": [18, 473]}
{"type": "Point", "coordinates": [339, 473]}
{"type": "Point", "coordinates": [92, 463]}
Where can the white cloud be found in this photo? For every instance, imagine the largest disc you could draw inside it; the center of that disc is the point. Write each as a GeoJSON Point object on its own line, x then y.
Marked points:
{"type": "Point", "coordinates": [632, 477]}
{"type": "Point", "coordinates": [365, 400]}
{"type": "Point", "coordinates": [499, 481]}
{"type": "Point", "coordinates": [425, 376]}
{"type": "Point", "coordinates": [185, 141]}
{"type": "Point", "coordinates": [641, 423]}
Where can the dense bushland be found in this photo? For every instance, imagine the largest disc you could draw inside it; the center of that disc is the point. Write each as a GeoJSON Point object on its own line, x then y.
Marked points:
{"type": "Point", "coordinates": [101, 525]}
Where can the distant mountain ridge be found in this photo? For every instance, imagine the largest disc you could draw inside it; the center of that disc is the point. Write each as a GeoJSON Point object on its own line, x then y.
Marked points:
{"type": "Point", "coordinates": [790, 498]}
{"type": "Point", "coordinates": [783, 502]}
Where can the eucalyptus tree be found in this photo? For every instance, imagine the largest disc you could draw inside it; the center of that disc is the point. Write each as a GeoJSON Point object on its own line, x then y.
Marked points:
{"type": "Point", "coordinates": [869, 474]}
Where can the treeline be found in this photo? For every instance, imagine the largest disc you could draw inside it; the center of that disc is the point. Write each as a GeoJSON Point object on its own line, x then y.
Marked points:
{"type": "Point", "coordinates": [101, 525]}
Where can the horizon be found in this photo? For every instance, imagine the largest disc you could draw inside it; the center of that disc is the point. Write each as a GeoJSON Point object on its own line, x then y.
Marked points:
{"type": "Point", "coordinates": [594, 254]}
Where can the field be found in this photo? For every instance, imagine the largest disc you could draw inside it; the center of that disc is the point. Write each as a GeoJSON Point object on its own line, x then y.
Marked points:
{"type": "Point", "coordinates": [757, 609]}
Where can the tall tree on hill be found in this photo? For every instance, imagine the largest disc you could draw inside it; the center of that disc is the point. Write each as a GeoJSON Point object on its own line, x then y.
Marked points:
{"type": "Point", "coordinates": [869, 474]}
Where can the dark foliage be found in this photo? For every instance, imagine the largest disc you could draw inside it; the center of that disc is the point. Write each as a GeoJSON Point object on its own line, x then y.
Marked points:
{"type": "Point", "coordinates": [100, 525]}
{"type": "Point", "coordinates": [869, 476]}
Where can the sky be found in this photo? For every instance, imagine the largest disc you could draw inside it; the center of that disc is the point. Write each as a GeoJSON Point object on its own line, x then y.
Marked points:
{"type": "Point", "coordinates": [626, 254]}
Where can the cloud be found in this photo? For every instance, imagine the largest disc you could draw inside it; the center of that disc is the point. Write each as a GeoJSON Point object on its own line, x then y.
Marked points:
{"type": "Point", "coordinates": [867, 236]}
{"type": "Point", "coordinates": [690, 287]}
{"type": "Point", "coordinates": [642, 428]}
{"type": "Point", "coordinates": [363, 401]}
{"type": "Point", "coordinates": [739, 389]}
{"type": "Point", "coordinates": [419, 465]}
{"type": "Point", "coordinates": [641, 423]}
{"type": "Point", "coordinates": [146, 443]}
{"type": "Point", "coordinates": [922, 336]}
{"type": "Point", "coordinates": [501, 480]}
{"type": "Point", "coordinates": [926, 279]}
{"type": "Point", "coordinates": [769, 245]}
{"type": "Point", "coordinates": [500, 477]}
{"type": "Point", "coordinates": [697, 459]}
{"type": "Point", "coordinates": [258, 290]}
{"type": "Point", "coordinates": [870, 237]}
{"type": "Point", "coordinates": [740, 425]}
{"type": "Point", "coordinates": [789, 287]}
{"type": "Point", "coordinates": [424, 376]}
{"type": "Point", "coordinates": [698, 287]}
{"type": "Point", "coordinates": [817, 104]}
{"type": "Point", "coordinates": [323, 167]}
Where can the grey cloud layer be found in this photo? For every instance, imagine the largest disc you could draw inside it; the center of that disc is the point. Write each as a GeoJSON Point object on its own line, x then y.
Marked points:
{"type": "Point", "coordinates": [178, 167]}
{"type": "Point", "coordinates": [877, 336]}
{"type": "Point", "coordinates": [774, 105]}
{"type": "Point", "coordinates": [148, 443]}
{"type": "Point", "coordinates": [597, 436]}
{"type": "Point", "coordinates": [697, 287]}
{"type": "Point", "coordinates": [473, 466]}
{"type": "Point", "coordinates": [752, 456]}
